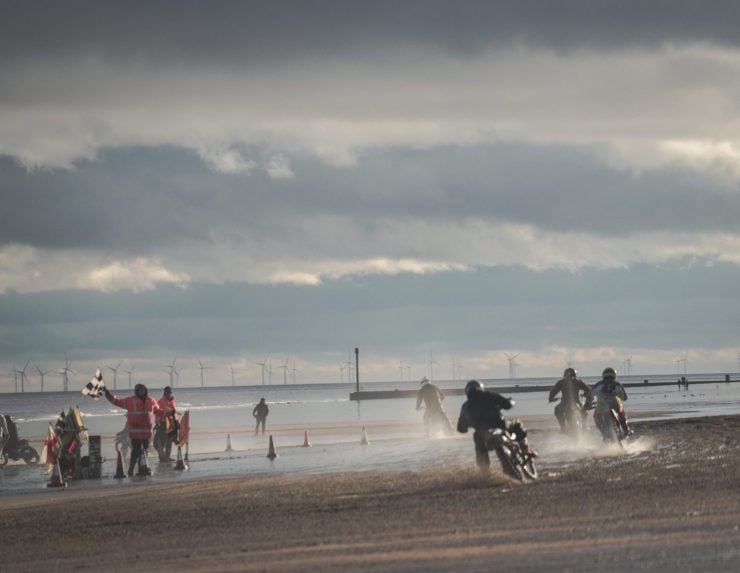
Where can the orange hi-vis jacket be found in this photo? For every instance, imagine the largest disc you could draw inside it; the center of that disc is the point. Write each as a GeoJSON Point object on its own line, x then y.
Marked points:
{"type": "Point", "coordinates": [165, 407]}
{"type": "Point", "coordinates": [139, 414]}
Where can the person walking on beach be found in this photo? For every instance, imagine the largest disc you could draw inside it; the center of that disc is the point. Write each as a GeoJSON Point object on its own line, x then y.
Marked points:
{"type": "Point", "coordinates": [571, 387]}
{"type": "Point", "coordinates": [260, 413]}
{"type": "Point", "coordinates": [431, 396]}
{"type": "Point", "coordinates": [482, 412]}
{"type": "Point", "coordinates": [139, 408]}
{"type": "Point", "coordinates": [166, 425]}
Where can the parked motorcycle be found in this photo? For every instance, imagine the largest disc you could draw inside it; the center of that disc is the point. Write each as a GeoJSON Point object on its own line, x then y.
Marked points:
{"type": "Point", "coordinates": [16, 448]}
{"type": "Point", "coordinates": [514, 462]}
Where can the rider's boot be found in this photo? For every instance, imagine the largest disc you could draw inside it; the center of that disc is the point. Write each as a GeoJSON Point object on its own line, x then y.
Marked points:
{"type": "Point", "coordinates": [625, 425]}
{"type": "Point", "coordinates": [526, 448]}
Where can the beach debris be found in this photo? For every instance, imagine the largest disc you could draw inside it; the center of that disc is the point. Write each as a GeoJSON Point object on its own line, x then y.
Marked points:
{"type": "Point", "coordinates": [364, 441]}
{"type": "Point", "coordinates": [180, 465]}
{"type": "Point", "coordinates": [119, 467]}
{"type": "Point", "coordinates": [228, 443]}
{"type": "Point", "coordinates": [271, 455]}
{"type": "Point", "coordinates": [306, 443]}
{"type": "Point", "coordinates": [57, 480]}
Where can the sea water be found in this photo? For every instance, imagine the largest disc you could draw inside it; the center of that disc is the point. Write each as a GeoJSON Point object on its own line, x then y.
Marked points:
{"type": "Point", "coordinates": [218, 413]}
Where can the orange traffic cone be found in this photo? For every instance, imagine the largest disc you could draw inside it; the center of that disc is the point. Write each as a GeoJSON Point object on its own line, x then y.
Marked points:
{"type": "Point", "coordinates": [306, 443]}
{"type": "Point", "coordinates": [180, 465]}
{"type": "Point", "coordinates": [119, 467]}
{"type": "Point", "coordinates": [57, 480]}
{"type": "Point", "coordinates": [271, 454]}
{"type": "Point", "coordinates": [144, 465]}
{"type": "Point", "coordinates": [364, 441]}
{"type": "Point", "coordinates": [228, 443]}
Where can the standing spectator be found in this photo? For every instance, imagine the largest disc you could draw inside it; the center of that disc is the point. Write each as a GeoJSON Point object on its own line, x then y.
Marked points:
{"type": "Point", "coordinates": [167, 425]}
{"type": "Point", "coordinates": [139, 408]}
{"type": "Point", "coordinates": [260, 413]}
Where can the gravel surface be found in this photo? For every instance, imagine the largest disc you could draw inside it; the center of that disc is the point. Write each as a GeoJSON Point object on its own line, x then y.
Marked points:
{"type": "Point", "coordinates": [674, 506]}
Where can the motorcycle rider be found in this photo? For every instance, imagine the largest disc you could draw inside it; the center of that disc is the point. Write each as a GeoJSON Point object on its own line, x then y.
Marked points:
{"type": "Point", "coordinates": [608, 394]}
{"type": "Point", "coordinates": [163, 439]}
{"type": "Point", "coordinates": [139, 408]}
{"type": "Point", "coordinates": [571, 386]}
{"type": "Point", "coordinates": [432, 398]}
{"type": "Point", "coordinates": [482, 411]}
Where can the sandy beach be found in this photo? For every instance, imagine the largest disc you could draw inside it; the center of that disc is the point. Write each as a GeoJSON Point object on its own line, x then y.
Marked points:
{"type": "Point", "coordinates": [673, 507]}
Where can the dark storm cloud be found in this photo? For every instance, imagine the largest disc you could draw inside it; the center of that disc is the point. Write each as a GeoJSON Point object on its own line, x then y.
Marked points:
{"type": "Point", "coordinates": [251, 32]}
{"type": "Point", "coordinates": [137, 200]}
{"type": "Point", "coordinates": [488, 308]}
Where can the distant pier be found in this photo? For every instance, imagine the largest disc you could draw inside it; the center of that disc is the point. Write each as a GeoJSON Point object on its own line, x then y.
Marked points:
{"type": "Point", "coordinates": [390, 394]}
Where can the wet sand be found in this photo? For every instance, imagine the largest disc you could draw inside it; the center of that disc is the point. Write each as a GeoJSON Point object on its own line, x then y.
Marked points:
{"type": "Point", "coordinates": [673, 507]}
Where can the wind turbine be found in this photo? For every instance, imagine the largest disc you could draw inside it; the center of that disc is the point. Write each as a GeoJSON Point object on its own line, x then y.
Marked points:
{"type": "Point", "coordinates": [264, 367]}
{"type": "Point", "coordinates": [171, 368]}
{"type": "Point", "coordinates": [628, 365]}
{"type": "Point", "coordinates": [293, 371]}
{"type": "Point", "coordinates": [401, 369]}
{"type": "Point", "coordinates": [269, 371]}
{"type": "Point", "coordinates": [432, 362]}
{"type": "Point", "coordinates": [15, 377]}
{"type": "Point", "coordinates": [350, 368]}
{"type": "Point", "coordinates": [202, 368]}
{"type": "Point", "coordinates": [23, 376]}
{"type": "Point", "coordinates": [42, 373]}
{"type": "Point", "coordinates": [129, 372]}
{"type": "Point", "coordinates": [341, 372]}
{"type": "Point", "coordinates": [512, 365]}
{"type": "Point", "coordinates": [685, 360]}
{"type": "Point", "coordinates": [285, 370]}
{"type": "Point", "coordinates": [65, 374]}
{"type": "Point", "coordinates": [115, 374]}
{"type": "Point", "coordinates": [232, 375]}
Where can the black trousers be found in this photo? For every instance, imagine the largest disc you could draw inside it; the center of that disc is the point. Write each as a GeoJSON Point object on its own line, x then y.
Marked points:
{"type": "Point", "coordinates": [137, 447]}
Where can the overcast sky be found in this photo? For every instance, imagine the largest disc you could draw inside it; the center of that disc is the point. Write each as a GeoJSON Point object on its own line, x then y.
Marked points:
{"type": "Point", "coordinates": [228, 181]}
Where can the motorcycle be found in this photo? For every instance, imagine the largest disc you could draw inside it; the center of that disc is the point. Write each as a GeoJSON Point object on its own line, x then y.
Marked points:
{"type": "Point", "coordinates": [514, 462]}
{"type": "Point", "coordinates": [609, 424]}
{"type": "Point", "coordinates": [16, 448]}
{"type": "Point", "coordinates": [437, 420]}
{"type": "Point", "coordinates": [575, 420]}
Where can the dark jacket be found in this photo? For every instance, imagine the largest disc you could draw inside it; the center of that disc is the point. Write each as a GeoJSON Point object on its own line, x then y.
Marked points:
{"type": "Point", "coordinates": [482, 411]}
{"type": "Point", "coordinates": [260, 410]}
{"type": "Point", "coordinates": [570, 387]}
{"type": "Point", "coordinates": [431, 396]}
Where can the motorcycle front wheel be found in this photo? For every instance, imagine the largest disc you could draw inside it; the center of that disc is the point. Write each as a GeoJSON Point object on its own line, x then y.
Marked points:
{"type": "Point", "coordinates": [508, 465]}
{"type": "Point", "coordinates": [530, 470]}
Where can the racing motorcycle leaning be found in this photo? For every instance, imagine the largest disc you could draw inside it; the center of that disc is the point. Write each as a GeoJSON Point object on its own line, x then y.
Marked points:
{"type": "Point", "coordinates": [515, 462]}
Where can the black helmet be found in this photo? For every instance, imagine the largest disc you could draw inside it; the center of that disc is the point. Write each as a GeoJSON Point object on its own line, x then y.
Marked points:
{"type": "Point", "coordinates": [569, 373]}
{"type": "Point", "coordinates": [167, 391]}
{"type": "Point", "coordinates": [472, 387]}
{"type": "Point", "coordinates": [609, 372]}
